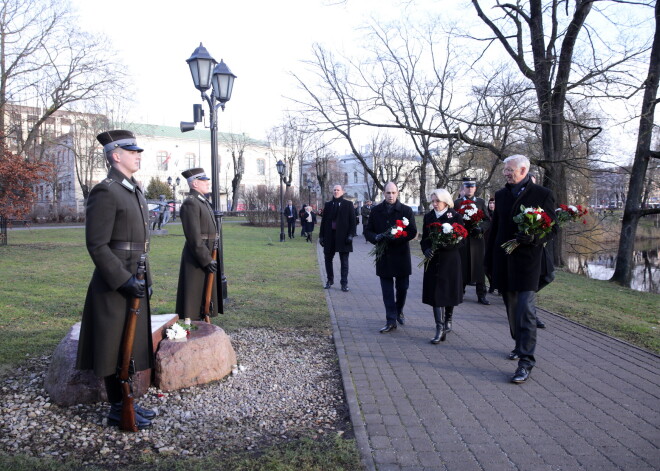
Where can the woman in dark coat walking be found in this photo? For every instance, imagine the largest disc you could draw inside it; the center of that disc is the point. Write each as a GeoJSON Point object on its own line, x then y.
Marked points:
{"type": "Point", "coordinates": [308, 221]}
{"type": "Point", "coordinates": [442, 287]}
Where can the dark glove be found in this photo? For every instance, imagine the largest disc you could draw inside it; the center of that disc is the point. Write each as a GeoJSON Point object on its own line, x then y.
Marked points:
{"type": "Point", "coordinates": [321, 241]}
{"type": "Point", "coordinates": [477, 231]}
{"type": "Point", "coordinates": [150, 291]}
{"type": "Point", "coordinates": [379, 237]}
{"type": "Point", "coordinates": [428, 253]}
{"type": "Point", "coordinates": [211, 267]}
{"type": "Point", "coordinates": [349, 239]}
{"type": "Point", "coordinates": [525, 239]}
{"type": "Point", "coordinates": [133, 288]}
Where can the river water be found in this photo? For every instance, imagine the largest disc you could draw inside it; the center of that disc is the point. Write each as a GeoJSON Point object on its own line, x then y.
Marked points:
{"type": "Point", "coordinates": [600, 266]}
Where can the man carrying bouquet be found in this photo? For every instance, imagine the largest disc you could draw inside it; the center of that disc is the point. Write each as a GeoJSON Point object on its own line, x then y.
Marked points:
{"type": "Point", "coordinates": [516, 271]}
{"type": "Point", "coordinates": [476, 221]}
{"type": "Point", "coordinates": [393, 266]}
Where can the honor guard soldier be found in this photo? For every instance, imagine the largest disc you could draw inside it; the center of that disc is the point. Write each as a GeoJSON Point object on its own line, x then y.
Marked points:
{"type": "Point", "coordinates": [117, 237]}
{"type": "Point", "coordinates": [200, 229]}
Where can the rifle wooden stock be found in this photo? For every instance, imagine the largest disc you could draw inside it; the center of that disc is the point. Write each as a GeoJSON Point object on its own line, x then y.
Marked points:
{"type": "Point", "coordinates": [128, 422]}
{"type": "Point", "coordinates": [207, 304]}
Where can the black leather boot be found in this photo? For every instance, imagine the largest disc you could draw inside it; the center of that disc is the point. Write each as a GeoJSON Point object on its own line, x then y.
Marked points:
{"type": "Point", "coordinates": [114, 417]}
{"type": "Point", "coordinates": [449, 310]}
{"type": "Point", "coordinates": [440, 333]}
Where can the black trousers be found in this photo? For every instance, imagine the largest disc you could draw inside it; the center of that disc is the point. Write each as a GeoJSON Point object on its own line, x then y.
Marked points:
{"type": "Point", "coordinates": [394, 304]}
{"type": "Point", "coordinates": [291, 226]}
{"type": "Point", "coordinates": [329, 270]}
{"type": "Point", "coordinates": [521, 311]}
{"type": "Point", "coordinates": [113, 388]}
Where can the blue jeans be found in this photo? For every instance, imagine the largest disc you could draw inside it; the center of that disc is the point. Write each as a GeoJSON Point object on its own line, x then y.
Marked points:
{"type": "Point", "coordinates": [394, 305]}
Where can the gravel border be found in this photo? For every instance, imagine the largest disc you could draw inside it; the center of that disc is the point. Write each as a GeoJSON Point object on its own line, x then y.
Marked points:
{"type": "Point", "coordinates": [287, 385]}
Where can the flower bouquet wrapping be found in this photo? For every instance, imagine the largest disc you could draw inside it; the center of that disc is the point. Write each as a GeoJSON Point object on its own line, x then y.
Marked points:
{"type": "Point", "coordinates": [443, 235]}
{"type": "Point", "coordinates": [533, 221]}
{"type": "Point", "coordinates": [568, 213]}
{"type": "Point", "coordinates": [395, 232]}
{"type": "Point", "coordinates": [471, 215]}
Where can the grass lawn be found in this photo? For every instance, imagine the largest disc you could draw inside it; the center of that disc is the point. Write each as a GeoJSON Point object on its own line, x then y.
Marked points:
{"type": "Point", "coordinates": [44, 279]}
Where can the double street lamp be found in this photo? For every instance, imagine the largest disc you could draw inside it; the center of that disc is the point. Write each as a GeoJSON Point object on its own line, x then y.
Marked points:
{"type": "Point", "coordinates": [309, 192]}
{"type": "Point", "coordinates": [281, 168]}
{"type": "Point", "coordinates": [206, 74]}
{"type": "Point", "coordinates": [176, 183]}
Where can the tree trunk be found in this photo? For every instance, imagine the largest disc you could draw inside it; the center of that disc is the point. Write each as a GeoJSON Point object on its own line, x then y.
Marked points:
{"type": "Point", "coordinates": [631, 214]}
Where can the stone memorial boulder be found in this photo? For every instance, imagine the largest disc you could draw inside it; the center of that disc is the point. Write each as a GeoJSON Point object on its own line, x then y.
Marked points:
{"type": "Point", "coordinates": [67, 385]}
{"type": "Point", "coordinates": [205, 355]}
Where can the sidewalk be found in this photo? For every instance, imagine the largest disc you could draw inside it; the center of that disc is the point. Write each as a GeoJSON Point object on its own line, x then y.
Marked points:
{"type": "Point", "coordinates": [591, 403]}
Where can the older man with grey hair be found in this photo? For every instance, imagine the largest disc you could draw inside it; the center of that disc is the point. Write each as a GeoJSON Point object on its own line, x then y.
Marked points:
{"type": "Point", "coordinates": [516, 275]}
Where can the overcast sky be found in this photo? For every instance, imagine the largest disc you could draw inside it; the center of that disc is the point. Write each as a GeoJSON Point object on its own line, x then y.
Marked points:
{"type": "Point", "coordinates": [260, 40]}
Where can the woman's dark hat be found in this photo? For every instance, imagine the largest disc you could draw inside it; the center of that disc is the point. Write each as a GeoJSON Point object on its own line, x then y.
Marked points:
{"type": "Point", "coordinates": [194, 174]}
{"type": "Point", "coordinates": [110, 140]}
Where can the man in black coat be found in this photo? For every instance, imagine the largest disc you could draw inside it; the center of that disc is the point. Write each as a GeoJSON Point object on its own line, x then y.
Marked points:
{"type": "Point", "coordinates": [517, 275]}
{"type": "Point", "coordinates": [473, 251]}
{"type": "Point", "coordinates": [116, 234]}
{"type": "Point", "coordinates": [291, 215]}
{"type": "Point", "coordinates": [395, 263]}
{"type": "Point", "coordinates": [336, 235]}
{"type": "Point", "coordinates": [365, 211]}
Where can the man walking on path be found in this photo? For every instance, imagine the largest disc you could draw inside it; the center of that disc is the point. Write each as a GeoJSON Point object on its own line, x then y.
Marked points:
{"type": "Point", "coordinates": [472, 252]}
{"type": "Point", "coordinates": [395, 263]}
{"type": "Point", "coordinates": [516, 275]}
{"type": "Point", "coordinates": [336, 235]}
{"type": "Point", "coordinates": [291, 215]}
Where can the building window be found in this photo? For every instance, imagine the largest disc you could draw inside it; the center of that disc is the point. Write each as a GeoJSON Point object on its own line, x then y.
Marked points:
{"type": "Point", "coordinates": [345, 178]}
{"type": "Point", "coordinates": [355, 177]}
{"type": "Point", "coordinates": [189, 159]}
{"type": "Point", "coordinates": [261, 167]}
{"type": "Point", "coordinates": [162, 159]}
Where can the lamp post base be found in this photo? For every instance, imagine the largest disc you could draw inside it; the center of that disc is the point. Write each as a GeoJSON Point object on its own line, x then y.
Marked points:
{"type": "Point", "coordinates": [282, 238]}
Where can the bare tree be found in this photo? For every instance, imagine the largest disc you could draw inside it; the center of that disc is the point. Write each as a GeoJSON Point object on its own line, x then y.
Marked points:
{"type": "Point", "coordinates": [236, 143]}
{"type": "Point", "coordinates": [633, 210]}
{"type": "Point", "coordinates": [289, 142]}
{"type": "Point", "coordinates": [48, 64]}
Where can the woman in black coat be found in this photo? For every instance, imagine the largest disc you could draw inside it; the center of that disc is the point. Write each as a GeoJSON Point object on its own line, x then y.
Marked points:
{"type": "Point", "coordinates": [442, 287]}
{"type": "Point", "coordinates": [308, 221]}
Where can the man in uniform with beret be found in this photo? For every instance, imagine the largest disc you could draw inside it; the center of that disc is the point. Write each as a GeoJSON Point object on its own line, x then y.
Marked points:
{"type": "Point", "coordinates": [116, 234]}
{"type": "Point", "coordinates": [199, 227]}
{"type": "Point", "coordinates": [473, 251]}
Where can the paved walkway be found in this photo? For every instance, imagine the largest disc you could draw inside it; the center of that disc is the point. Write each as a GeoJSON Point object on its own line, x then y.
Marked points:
{"type": "Point", "coordinates": [592, 402]}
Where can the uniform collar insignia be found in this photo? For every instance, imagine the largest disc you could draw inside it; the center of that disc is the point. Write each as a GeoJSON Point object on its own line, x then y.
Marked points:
{"type": "Point", "coordinates": [128, 184]}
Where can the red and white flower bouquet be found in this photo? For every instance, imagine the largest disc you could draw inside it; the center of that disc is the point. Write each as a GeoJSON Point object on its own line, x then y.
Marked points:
{"type": "Point", "coordinates": [568, 213]}
{"type": "Point", "coordinates": [533, 221]}
{"type": "Point", "coordinates": [443, 235]}
{"type": "Point", "coordinates": [397, 231]}
{"type": "Point", "coordinates": [472, 215]}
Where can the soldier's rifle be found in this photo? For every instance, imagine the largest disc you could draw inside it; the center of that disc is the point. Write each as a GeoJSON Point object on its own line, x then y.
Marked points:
{"type": "Point", "coordinates": [127, 367]}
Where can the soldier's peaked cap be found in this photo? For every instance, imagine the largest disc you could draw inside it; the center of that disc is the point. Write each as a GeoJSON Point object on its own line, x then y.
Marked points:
{"type": "Point", "coordinates": [469, 181]}
{"type": "Point", "coordinates": [110, 140]}
{"type": "Point", "coordinates": [194, 174]}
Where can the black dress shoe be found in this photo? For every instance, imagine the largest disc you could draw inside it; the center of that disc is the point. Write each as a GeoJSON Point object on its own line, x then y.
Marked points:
{"type": "Point", "coordinates": [484, 301]}
{"type": "Point", "coordinates": [520, 376]}
{"type": "Point", "coordinates": [388, 328]}
{"type": "Point", "coordinates": [146, 413]}
{"type": "Point", "coordinates": [513, 356]}
{"type": "Point", "coordinates": [328, 285]}
{"type": "Point", "coordinates": [540, 324]}
{"type": "Point", "coordinates": [114, 417]}
{"type": "Point", "coordinates": [401, 319]}
{"type": "Point", "coordinates": [344, 288]}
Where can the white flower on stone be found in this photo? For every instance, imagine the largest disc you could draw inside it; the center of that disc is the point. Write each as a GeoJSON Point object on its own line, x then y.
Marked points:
{"type": "Point", "coordinates": [176, 332]}
{"type": "Point", "coordinates": [572, 208]}
{"type": "Point", "coordinates": [447, 228]}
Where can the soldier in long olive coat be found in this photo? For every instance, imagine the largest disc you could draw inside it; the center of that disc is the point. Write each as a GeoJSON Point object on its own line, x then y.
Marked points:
{"type": "Point", "coordinates": [117, 234]}
{"type": "Point", "coordinates": [200, 229]}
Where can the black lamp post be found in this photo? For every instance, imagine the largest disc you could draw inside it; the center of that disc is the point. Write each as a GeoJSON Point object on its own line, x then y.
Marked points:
{"type": "Point", "coordinates": [309, 192]}
{"type": "Point", "coordinates": [207, 73]}
{"type": "Point", "coordinates": [281, 168]}
{"type": "Point", "coordinates": [176, 183]}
